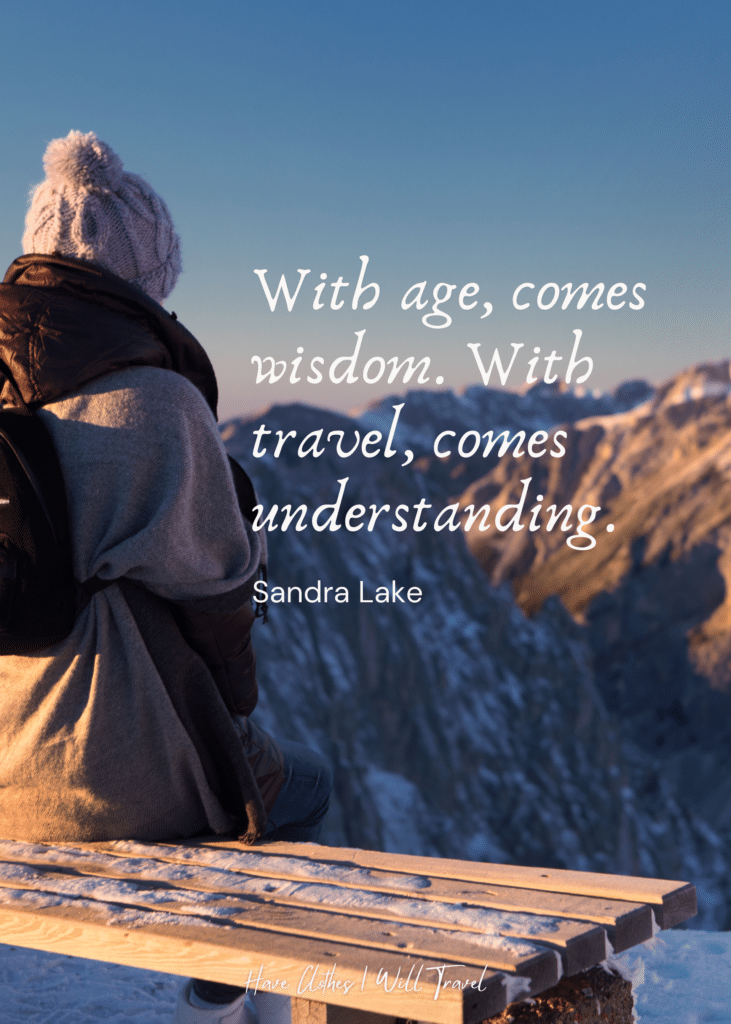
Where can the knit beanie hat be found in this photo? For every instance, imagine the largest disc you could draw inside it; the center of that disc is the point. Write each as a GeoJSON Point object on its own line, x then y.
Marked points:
{"type": "Point", "coordinates": [90, 207]}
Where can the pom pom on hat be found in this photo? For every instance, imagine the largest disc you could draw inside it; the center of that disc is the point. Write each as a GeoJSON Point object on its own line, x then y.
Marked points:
{"type": "Point", "coordinates": [90, 207]}
{"type": "Point", "coordinates": [83, 161]}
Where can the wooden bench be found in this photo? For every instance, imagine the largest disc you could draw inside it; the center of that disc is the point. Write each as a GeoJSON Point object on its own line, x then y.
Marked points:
{"type": "Point", "coordinates": [385, 936]}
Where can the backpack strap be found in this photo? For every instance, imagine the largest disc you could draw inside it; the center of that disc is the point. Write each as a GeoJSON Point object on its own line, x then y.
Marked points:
{"type": "Point", "coordinates": [247, 501]}
{"type": "Point", "coordinates": [244, 489]}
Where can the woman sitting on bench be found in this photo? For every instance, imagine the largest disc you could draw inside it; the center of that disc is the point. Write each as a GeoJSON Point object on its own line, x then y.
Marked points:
{"type": "Point", "coordinates": [136, 725]}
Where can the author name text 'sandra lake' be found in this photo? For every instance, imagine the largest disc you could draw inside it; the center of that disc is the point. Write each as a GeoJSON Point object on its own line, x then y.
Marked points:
{"type": "Point", "coordinates": [320, 593]}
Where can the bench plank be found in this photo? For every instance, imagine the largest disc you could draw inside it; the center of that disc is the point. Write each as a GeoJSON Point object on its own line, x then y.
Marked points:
{"type": "Point", "coordinates": [237, 956]}
{"type": "Point", "coordinates": [672, 901]}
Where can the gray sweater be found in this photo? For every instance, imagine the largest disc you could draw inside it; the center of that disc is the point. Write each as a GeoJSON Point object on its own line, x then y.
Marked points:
{"type": "Point", "coordinates": [95, 741]}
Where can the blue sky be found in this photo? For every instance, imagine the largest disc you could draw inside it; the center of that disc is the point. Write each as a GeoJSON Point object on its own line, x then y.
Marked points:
{"type": "Point", "coordinates": [455, 142]}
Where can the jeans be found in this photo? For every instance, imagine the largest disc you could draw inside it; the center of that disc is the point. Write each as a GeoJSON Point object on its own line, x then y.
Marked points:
{"type": "Point", "coordinates": [304, 798]}
{"type": "Point", "coordinates": [296, 817]}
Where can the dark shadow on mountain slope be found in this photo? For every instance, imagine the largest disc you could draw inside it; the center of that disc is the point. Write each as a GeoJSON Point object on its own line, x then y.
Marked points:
{"type": "Point", "coordinates": [639, 636]}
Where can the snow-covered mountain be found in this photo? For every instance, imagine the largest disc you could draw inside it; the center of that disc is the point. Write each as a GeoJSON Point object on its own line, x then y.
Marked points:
{"type": "Point", "coordinates": [457, 725]}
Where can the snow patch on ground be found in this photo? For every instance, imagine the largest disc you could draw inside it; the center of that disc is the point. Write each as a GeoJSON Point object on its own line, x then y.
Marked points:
{"type": "Point", "coordinates": [681, 977]}
{"type": "Point", "coordinates": [44, 988]}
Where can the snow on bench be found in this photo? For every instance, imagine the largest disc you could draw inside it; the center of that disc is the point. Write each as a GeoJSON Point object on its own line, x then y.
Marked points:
{"type": "Point", "coordinates": [385, 935]}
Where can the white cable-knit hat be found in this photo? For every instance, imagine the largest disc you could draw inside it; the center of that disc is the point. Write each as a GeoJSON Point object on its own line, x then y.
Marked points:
{"type": "Point", "coordinates": [90, 207]}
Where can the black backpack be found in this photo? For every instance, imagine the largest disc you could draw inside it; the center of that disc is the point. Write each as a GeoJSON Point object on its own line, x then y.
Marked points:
{"type": "Point", "coordinates": [40, 598]}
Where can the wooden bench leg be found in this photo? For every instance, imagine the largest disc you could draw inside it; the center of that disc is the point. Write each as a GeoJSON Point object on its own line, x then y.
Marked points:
{"type": "Point", "coordinates": [307, 1011]}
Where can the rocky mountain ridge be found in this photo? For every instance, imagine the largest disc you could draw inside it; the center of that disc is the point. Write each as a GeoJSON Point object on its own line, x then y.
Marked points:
{"type": "Point", "coordinates": [457, 725]}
